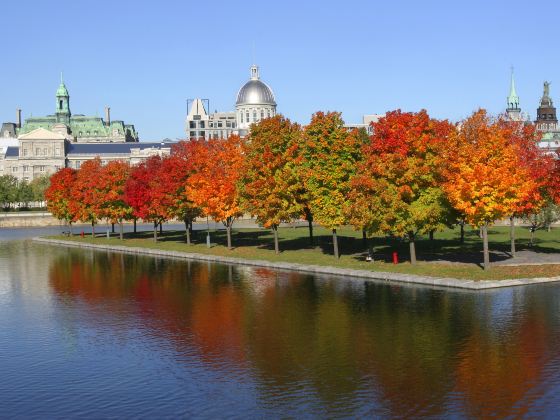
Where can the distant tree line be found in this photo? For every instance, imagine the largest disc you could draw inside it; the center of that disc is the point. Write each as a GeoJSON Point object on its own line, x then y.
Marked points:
{"type": "Point", "coordinates": [21, 194]}
{"type": "Point", "coordinates": [415, 175]}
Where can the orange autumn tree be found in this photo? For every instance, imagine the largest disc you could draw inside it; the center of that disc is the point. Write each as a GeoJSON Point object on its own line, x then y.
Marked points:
{"type": "Point", "coordinates": [329, 153]}
{"type": "Point", "coordinates": [111, 184]}
{"type": "Point", "coordinates": [485, 180]}
{"type": "Point", "coordinates": [270, 187]}
{"type": "Point", "coordinates": [212, 187]}
{"type": "Point", "coordinates": [397, 189]}
{"type": "Point", "coordinates": [86, 196]}
{"type": "Point", "coordinates": [525, 140]}
{"type": "Point", "coordinates": [59, 195]}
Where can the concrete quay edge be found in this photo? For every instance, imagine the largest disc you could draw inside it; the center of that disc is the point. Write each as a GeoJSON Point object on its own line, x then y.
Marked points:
{"type": "Point", "coordinates": [377, 276]}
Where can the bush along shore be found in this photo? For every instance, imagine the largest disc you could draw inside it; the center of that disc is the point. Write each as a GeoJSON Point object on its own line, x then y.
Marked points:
{"type": "Point", "coordinates": [442, 256]}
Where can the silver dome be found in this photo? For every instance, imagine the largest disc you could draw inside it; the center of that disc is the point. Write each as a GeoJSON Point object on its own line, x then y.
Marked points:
{"type": "Point", "coordinates": [255, 92]}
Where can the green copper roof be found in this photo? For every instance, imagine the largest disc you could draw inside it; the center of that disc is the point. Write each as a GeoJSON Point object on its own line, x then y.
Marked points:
{"type": "Point", "coordinates": [62, 91]}
{"type": "Point", "coordinates": [513, 99]}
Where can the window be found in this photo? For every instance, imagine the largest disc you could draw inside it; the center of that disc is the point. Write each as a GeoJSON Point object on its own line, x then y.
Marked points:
{"type": "Point", "coordinates": [57, 151]}
{"type": "Point", "coordinates": [56, 167]}
{"type": "Point", "coordinates": [220, 124]}
{"type": "Point", "coordinates": [77, 164]}
{"type": "Point", "coordinates": [247, 116]}
{"type": "Point", "coordinates": [14, 169]}
{"type": "Point", "coordinates": [41, 169]}
{"type": "Point", "coordinates": [201, 124]}
{"type": "Point", "coordinates": [241, 115]}
{"type": "Point", "coordinates": [202, 134]}
{"type": "Point", "coordinates": [45, 151]}
{"type": "Point", "coordinates": [25, 168]}
{"type": "Point", "coordinates": [254, 115]}
{"type": "Point", "coordinates": [193, 134]}
{"type": "Point", "coordinates": [59, 104]}
{"type": "Point", "coordinates": [262, 115]}
{"type": "Point", "coordinates": [25, 152]}
{"type": "Point", "coordinates": [228, 124]}
{"type": "Point", "coordinates": [37, 152]}
{"type": "Point", "coordinates": [269, 113]}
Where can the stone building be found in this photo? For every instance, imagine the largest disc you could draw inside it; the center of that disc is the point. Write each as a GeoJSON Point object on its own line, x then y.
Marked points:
{"type": "Point", "coordinates": [81, 128]}
{"type": "Point", "coordinates": [42, 145]}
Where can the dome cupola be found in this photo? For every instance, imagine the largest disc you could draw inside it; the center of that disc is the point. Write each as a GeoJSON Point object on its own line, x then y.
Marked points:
{"type": "Point", "coordinates": [255, 102]}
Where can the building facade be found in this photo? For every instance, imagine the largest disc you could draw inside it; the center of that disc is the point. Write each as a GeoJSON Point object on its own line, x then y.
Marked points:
{"type": "Point", "coordinates": [81, 128]}
{"type": "Point", "coordinates": [43, 145]}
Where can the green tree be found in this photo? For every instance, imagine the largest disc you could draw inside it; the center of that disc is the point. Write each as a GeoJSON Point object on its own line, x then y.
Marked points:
{"type": "Point", "coordinates": [39, 185]}
{"type": "Point", "coordinates": [8, 190]}
{"type": "Point", "coordinates": [329, 153]}
{"type": "Point", "coordinates": [24, 193]}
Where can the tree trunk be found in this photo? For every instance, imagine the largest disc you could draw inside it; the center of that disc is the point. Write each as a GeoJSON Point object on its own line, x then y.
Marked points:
{"type": "Point", "coordinates": [92, 229]}
{"type": "Point", "coordinates": [135, 225]}
{"type": "Point", "coordinates": [431, 235]}
{"type": "Point", "coordinates": [112, 228]}
{"type": "Point", "coordinates": [228, 229]}
{"type": "Point", "coordinates": [480, 233]}
{"type": "Point", "coordinates": [122, 230]}
{"type": "Point", "coordinates": [188, 231]}
{"type": "Point", "coordinates": [462, 232]}
{"type": "Point", "coordinates": [485, 246]}
{"type": "Point", "coordinates": [160, 228]}
{"type": "Point", "coordinates": [364, 238]}
{"type": "Point", "coordinates": [155, 231]}
{"type": "Point", "coordinates": [512, 235]}
{"type": "Point", "coordinates": [548, 227]}
{"type": "Point", "coordinates": [276, 244]}
{"type": "Point", "coordinates": [71, 232]}
{"type": "Point", "coordinates": [532, 235]}
{"type": "Point", "coordinates": [335, 243]}
{"type": "Point", "coordinates": [309, 218]}
{"type": "Point", "coordinates": [412, 246]}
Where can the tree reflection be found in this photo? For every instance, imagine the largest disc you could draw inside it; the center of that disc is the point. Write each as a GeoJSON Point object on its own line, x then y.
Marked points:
{"type": "Point", "coordinates": [400, 351]}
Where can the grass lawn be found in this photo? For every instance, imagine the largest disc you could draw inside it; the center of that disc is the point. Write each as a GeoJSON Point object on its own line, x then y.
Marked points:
{"type": "Point", "coordinates": [445, 256]}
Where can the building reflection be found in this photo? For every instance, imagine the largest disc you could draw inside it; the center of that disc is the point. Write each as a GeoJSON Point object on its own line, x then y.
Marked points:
{"type": "Point", "coordinates": [406, 351]}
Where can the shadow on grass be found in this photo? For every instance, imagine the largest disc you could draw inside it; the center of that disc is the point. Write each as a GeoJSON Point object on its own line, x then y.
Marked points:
{"type": "Point", "coordinates": [446, 249]}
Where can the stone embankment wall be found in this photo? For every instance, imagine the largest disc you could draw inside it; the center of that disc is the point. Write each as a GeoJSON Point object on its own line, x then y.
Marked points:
{"type": "Point", "coordinates": [27, 219]}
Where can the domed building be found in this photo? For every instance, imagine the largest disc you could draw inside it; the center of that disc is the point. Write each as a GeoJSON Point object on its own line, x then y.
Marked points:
{"type": "Point", "coordinates": [255, 101]}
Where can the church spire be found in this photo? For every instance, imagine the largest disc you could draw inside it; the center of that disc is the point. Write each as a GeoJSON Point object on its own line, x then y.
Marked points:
{"type": "Point", "coordinates": [512, 99]}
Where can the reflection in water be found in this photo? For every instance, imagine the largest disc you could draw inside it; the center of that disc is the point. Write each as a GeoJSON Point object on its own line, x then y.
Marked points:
{"type": "Point", "coordinates": [267, 342]}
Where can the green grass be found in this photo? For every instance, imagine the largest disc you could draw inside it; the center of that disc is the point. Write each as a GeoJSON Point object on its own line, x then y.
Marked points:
{"type": "Point", "coordinates": [462, 260]}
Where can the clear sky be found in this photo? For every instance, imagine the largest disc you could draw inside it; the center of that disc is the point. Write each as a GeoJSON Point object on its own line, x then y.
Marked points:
{"type": "Point", "coordinates": [145, 58]}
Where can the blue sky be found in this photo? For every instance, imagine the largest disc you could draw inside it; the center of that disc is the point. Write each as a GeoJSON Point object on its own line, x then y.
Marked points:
{"type": "Point", "coordinates": [145, 58]}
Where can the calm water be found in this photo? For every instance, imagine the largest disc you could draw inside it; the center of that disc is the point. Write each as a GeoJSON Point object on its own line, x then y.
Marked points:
{"type": "Point", "coordinates": [96, 334]}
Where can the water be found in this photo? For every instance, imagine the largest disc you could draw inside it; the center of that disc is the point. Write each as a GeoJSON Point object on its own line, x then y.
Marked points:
{"type": "Point", "coordinates": [98, 334]}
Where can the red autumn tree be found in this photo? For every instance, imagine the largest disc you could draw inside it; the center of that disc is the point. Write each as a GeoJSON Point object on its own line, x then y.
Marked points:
{"type": "Point", "coordinates": [59, 195]}
{"type": "Point", "coordinates": [145, 192]}
{"type": "Point", "coordinates": [111, 184]}
{"type": "Point", "coordinates": [175, 174]}
{"type": "Point", "coordinates": [397, 188]}
{"type": "Point", "coordinates": [86, 196]}
{"type": "Point", "coordinates": [213, 184]}
{"type": "Point", "coordinates": [329, 153]}
{"type": "Point", "coordinates": [270, 187]}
